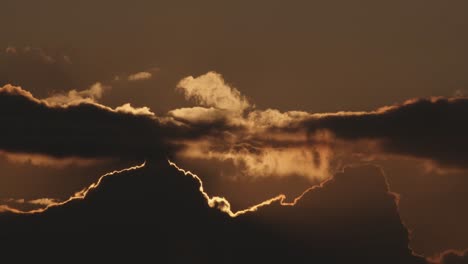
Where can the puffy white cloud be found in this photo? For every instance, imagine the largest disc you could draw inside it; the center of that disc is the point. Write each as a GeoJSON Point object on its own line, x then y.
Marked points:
{"type": "Point", "coordinates": [211, 90]}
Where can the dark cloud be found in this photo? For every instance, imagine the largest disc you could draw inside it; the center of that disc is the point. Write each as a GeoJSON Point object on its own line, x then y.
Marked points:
{"type": "Point", "coordinates": [433, 129]}
{"type": "Point", "coordinates": [351, 219]}
{"type": "Point", "coordinates": [30, 125]}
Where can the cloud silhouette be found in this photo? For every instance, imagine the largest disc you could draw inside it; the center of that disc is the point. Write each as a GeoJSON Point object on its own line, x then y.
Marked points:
{"type": "Point", "coordinates": [352, 218]}
{"type": "Point", "coordinates": [433, 129]}
{"type": "Point", "coordinates": [88, 130]}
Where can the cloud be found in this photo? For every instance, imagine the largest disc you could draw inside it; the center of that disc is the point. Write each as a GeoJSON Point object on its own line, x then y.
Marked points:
{"type": "Point", "coordinates": [211, 90]}
{"type": "Point", "coordinates": [225, 126]}
{"type": "Point", "coordinates": [67, 59]}
{"type": "Point", "coordinates": [37, 54]}
{"type": "Point", "coordinates": [41, 53]}
{"type": "Point", "coordinates": [43, 201]}
{"type": "Point", "coordinates": [197, 115]}
{"type": "Point", "coordinates": [48, 203]}
{"type": "Point", "coordinates": [39, 201]}
{"type": "Point", "coordinates": [39, 70]}
{"type": "Point", "coordinates": [433, 129]}
{"type": "Point", "coordinates": [244, 136]}
{"type": "Point", "coordinates": [92, 96]}
{"type": "Point", "coordinates": [11, 200]}
{"type": "Point", "coordinates": [74, 125]}
{"type": "Point", "coordinates": [85, 130]}
{"type": "Point", "coordinates": [45, 160]}
{"type": "Point", "coordinates": [6, 208]}
{"type": "Point", "coordinates": [265, 161]}
{"type": "Point", "coordinates": [139, 76]}
{"type": "Point", "coordinates": [128, 108]}
{"type": "Point", "coordinates": [351, 218]}
{"type": "Point", "coordinates": [451, 257]}
{"type": "Point", "coordinates": [10, 50]}
{"type": "Point", "coordinates": [74, 97]}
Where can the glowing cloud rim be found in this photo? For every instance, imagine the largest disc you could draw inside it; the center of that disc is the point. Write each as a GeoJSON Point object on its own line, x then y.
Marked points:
{"type": "Point", "coordinates": [81, 195]}
{"type": "Point", "coordinates": [223, 204]}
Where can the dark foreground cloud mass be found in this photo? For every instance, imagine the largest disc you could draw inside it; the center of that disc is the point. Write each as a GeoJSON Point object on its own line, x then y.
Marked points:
{"type": "Point", "coordinates": [157, 213]}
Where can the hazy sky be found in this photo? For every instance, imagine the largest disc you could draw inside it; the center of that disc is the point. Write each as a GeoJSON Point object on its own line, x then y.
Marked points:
{"type": "Point", "coordinates": [308, 55]}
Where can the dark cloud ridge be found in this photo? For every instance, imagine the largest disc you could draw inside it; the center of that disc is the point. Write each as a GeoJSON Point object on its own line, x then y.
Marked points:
{"type": "Point", "coordinates": [83, 130]}
{"type": "Point", "coordinates": [433, 128]}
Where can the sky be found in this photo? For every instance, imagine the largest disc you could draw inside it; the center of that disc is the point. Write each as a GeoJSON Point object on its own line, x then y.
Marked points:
{"type": "Point", "coordinates": [268, 104]}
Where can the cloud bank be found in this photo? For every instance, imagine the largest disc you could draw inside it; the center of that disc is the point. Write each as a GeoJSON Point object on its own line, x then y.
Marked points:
{"type": "Point", "coordinates": [71, 126]}
{"type": "Point", "coordinates": [433, 129]}
{"type": "Point", "coordinates": [226, 126]}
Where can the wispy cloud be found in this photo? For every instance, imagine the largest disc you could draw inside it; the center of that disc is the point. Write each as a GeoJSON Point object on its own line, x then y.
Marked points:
{"type": "Point", "coordinates": [38, 54]}
{"type": "Point", "coordinates": [146, 74]}
{"type": "Point", "coordinates": [139, 76]}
